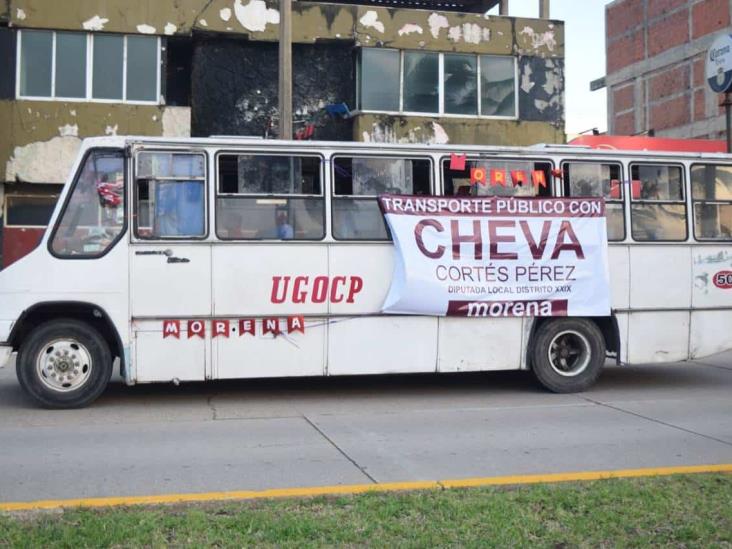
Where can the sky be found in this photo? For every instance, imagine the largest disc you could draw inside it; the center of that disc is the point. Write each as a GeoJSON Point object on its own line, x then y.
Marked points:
{"type": "Point", "coordinates": [584, 50]}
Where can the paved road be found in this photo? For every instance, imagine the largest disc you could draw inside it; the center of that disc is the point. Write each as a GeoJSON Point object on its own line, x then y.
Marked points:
{"type": "Point", "coordinates": [291, 433]}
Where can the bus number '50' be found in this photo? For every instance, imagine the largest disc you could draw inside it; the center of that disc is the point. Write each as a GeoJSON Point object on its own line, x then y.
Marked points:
{"type": "Point", "coordinates": [723, 279]}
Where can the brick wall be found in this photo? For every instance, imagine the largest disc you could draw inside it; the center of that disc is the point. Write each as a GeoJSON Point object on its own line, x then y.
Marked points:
{"type": "Point", "coordinates": [655, 66]}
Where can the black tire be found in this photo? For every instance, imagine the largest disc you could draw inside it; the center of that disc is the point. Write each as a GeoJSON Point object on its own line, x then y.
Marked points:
{"type": "Point", "coordinates": [65, 338]}
{"type": "Point", "coordinates": [554, 358]}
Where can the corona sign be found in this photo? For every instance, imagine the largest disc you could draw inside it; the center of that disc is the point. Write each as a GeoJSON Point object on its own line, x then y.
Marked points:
{"type": "Point", "coordinates": [719, 64]}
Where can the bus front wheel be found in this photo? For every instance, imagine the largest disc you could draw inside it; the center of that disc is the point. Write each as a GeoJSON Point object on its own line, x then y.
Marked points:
{"type": "Point", "coordinates": [64, 363]}
{"type": "Point", "coordinates": [568, 354]}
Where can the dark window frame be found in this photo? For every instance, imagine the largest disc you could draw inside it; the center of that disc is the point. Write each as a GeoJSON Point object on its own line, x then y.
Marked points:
{"type": "Point", "coordinates": [206, 181]}
{"type": "Point", "coordinates": [334, 197]}
{"type": "Point", "coordinates": [695, 201]}
{"type": "Point", "coordinates": [70, 193]}
{"type": "Point", "coordinates": [10, 197]}
{"type": "Point", "coordinates": [563, 164]}
{"type": "Point", "coordinates": [682, 201]}
{"type": "Point", "coordinates": [260, 152]}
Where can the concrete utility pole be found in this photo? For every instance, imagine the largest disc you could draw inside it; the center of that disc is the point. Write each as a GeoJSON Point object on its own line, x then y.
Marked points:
{"type": "Point", "coordinates": [285, 79]}
{"type": "Point", "coordinates": [728, 119]}
{"type": "Point", "coordinates": [543, 9]}
{"type": "Point", "coordinates": [503, 7]}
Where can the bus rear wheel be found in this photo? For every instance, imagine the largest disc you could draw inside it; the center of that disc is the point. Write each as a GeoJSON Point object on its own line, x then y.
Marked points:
{"type": "Point", "coordinates": [64, 363]}
{"type": "Point", "coordinates": [568, 354]}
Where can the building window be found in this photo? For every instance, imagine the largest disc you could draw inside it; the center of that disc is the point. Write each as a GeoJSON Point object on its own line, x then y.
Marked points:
{"type": "Point", "coordinates": [711, 195]}
{"type": "Point", "coordinates": [658, 205]}
{"type": "Point", "coordinates": [29, 210]}
{"type": "Point", "coordinates": [357, 181]}
{"type": "Point", "coordinates": [88, 67]}
{"type": "Point", "coordinates": [170, 195]}
{"type": "Point", "coordinates": [429, 83]}
{"type": "Point", "coordinates": [421, 82]}
{"type": "Point", "coordinates": [379, 77]}
{"type": "Point", "coordinates": [497, 85]}
{"type": "Point", "coordinates": [601, 180]}
{"type": "Point", "coordinates": [270, 197]}
{"type": "Point", "coordinates": [460, 77]}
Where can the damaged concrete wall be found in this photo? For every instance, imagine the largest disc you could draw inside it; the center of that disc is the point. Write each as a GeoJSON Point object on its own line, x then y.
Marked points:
{"type": "Point", "coordinates": [234, 87]}
{"type": "Point", "coordinates": [39, 139]}
{"type": "Point", "coordinates": [259, 20]}
{"type": "Point", "coordinates": [234, 81]}
{"type": "Point", "coordinates": [379, 128]}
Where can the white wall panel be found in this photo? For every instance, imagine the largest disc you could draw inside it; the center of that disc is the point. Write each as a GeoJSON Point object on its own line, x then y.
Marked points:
{"type": "Point", "coordinates": [472, 344]}
{"type": "Point", "coordinates": [382, 345]}
{"type": "Point", "coordinates": [170, 290]}
{"type": "Point", "coordinates": [285, 355]}
{"type": "Point", "coordinates": [658, 337]}
{"type": "Point", "coordinates": [243, 278]}
{"type": "Point", "coordinates": [374, 263]}
{"type": "Point", "coordinates": [711, 332]}
{"type": "Point", "coordinates": [660, 276]}
{"type": "Point", "coordinates": [619, 267]}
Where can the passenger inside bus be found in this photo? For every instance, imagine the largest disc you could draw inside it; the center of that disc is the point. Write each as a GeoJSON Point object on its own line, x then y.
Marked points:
{"type": "Point", "coordinates": [269, 197]}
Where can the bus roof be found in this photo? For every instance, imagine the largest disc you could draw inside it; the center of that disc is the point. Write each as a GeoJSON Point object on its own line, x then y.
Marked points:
{"type": "Point", "coordinates": [644, 143]}
{"type": "Point", "coordinates": [573, 148]}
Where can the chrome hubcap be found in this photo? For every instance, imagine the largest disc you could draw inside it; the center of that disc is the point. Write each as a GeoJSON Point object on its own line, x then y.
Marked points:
{"type": "Point", "coordinates": [64, 365]}
{"type": "Point", "coordinates": [569, 353]}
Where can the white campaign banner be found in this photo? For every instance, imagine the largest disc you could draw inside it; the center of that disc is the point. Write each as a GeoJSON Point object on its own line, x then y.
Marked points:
{"type": "Point", "coordinates": [498, 256]}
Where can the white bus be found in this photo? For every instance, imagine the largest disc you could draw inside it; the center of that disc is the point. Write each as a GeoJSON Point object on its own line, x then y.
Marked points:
{"type": "Point", "coordinates": [222, 258]}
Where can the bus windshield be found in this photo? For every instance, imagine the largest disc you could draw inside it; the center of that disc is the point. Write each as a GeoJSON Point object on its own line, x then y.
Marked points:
{"type": "Point", "coordinates": [93, 216]}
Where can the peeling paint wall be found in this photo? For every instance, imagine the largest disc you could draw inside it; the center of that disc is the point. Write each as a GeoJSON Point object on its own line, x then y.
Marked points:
{"type": "Point", "coordinates": [234, 81]}
{"type": "Point", "coordinates": [541, 89]}
{"type": "Point", "coordinates": [401, 129]}
{"type": "Point", "coordinates": [259, 20]}
{"type": "Point", "coordinates": [39, 139]}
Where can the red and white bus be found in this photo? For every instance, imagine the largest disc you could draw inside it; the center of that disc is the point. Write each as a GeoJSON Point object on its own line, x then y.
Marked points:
{"type": "Point", "coordinates": [175, 255]}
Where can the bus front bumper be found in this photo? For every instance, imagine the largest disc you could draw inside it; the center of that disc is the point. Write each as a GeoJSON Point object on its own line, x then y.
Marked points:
{"type": "Point", "coordinates": [5, 349]}
{"type": "Point", "coordinates": [5, 353]}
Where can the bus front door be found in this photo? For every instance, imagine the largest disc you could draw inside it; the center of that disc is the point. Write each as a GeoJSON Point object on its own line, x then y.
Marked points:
{"type": "Point", "coordinates": [170, 268]}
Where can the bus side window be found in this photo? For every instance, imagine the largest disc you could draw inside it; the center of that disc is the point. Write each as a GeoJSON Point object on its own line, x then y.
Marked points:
{"type": "Point", "coordinates": [357, 181]}
{"type": "Point", "coordinates": [520, 178]}
{"type": "Point", "coordinates": [269, 197]}
{"type": "Point", "coordinates": [598, 179]}
{"type": "Point", "coordinates": [658, 207]}
{"type": "Point", "coordinates": [170, 199]}
{"type": "Point", "coordinates": [711, 194]}
{"type": "Point", "coordinates": [93, 217]}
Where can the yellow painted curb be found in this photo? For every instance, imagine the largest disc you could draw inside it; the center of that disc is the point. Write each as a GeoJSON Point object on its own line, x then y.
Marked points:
{"type": "Point", "coordinates": [361, 488]}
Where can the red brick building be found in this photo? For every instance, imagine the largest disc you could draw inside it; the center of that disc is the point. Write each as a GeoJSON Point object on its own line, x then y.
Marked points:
{"type": "Point", "coordinates": [655, 66]}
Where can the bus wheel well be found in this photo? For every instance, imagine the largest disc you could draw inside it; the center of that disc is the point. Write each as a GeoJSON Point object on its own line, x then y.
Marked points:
{"type": "Point", "coordinates": [608, 325]}
{"type": "Point", "coordinates": [85, 312]}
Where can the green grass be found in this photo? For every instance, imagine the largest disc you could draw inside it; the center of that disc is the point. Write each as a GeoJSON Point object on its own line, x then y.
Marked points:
{"type": "Point", "coordinates": [677, 511]}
